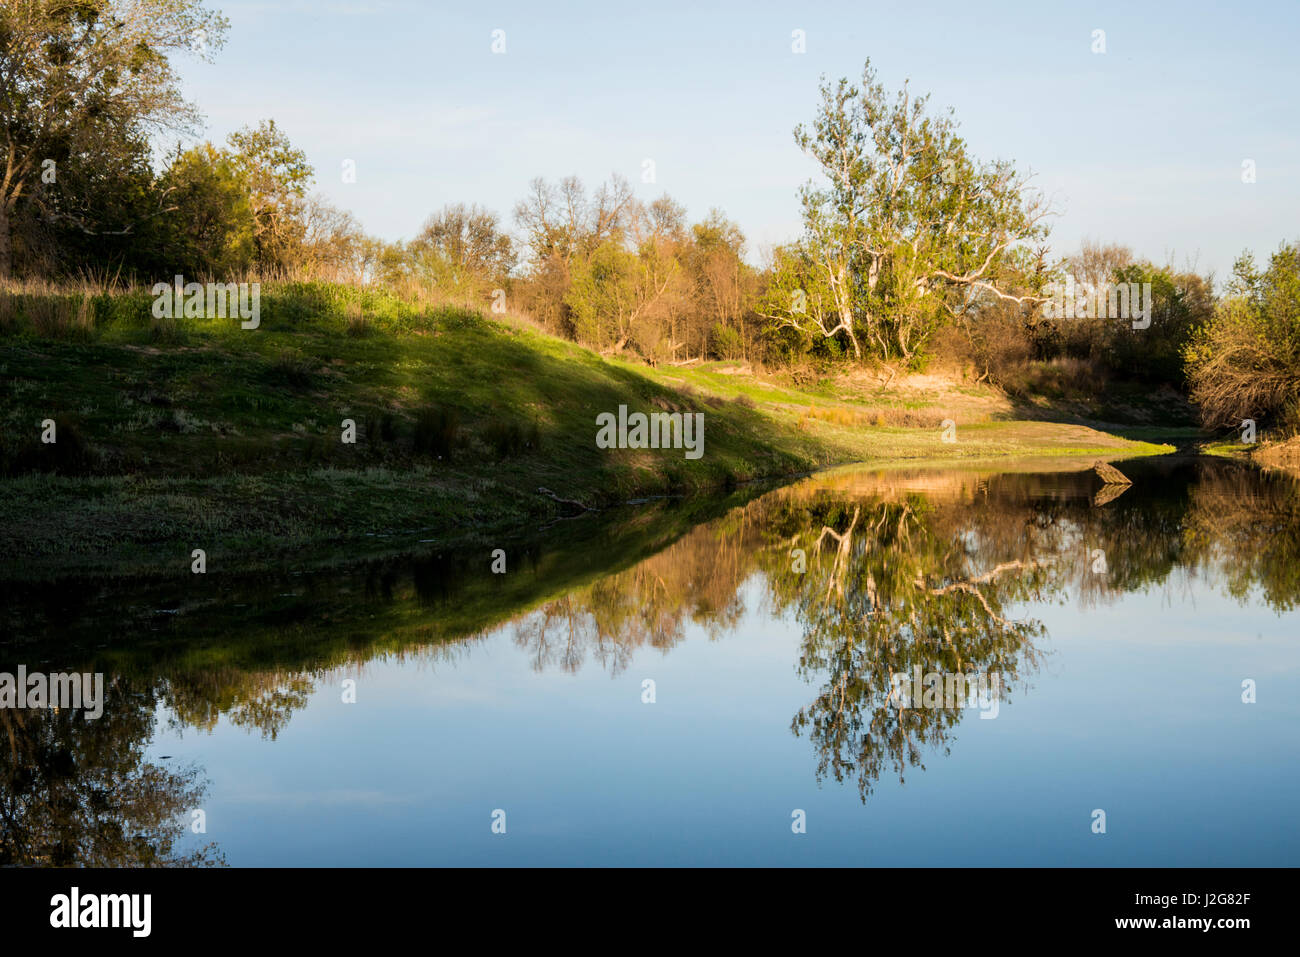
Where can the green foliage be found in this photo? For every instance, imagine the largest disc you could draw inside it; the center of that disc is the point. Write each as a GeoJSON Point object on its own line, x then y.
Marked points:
{"type": "Point", "coordinates": [276, 177]}
{"type": "Point", "coordinates": [907, 229]}
{"type": "Point", "coordinates": [622, 275]}
{"type": "Point", "coordinates": [603, 296]}
{"type": "Point", "coordinates": [211, 229]}
{"type": "Point", "coordinates": [797, 304]}
{"type": "Point", "coordinates": [81, 83]}
{"type": "Point", "coordinates": [1180, 302]}
{"type": "Point", "coordinates": [1244, 362]}
{"type": "Point", "coordinates": [727, 342]}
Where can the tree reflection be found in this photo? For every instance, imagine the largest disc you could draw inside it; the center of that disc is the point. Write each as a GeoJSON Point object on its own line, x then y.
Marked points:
{"type": "Point", "coordinates": [880, 572]}
{"type": "Point", "coordinates": [253, 700]}
{"type": "Point", "coordinates": [890, 572]}
{"type": "Point", "coordinates": [893, 592]}
{"type": "Point", "coordinates": [78, 792]}
{"type": "Point", "coordinates": [1246, 524]}
{"type": "Point", "coordinates": [695, 581]}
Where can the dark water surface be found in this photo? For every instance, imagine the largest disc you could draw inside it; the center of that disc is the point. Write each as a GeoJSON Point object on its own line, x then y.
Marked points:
{"type": "Point", "coordinates": [1123, 631]}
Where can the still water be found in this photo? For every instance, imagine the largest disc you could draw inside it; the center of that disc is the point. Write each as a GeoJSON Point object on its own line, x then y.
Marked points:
{"type": "Point", "coordinates": [704, 684]}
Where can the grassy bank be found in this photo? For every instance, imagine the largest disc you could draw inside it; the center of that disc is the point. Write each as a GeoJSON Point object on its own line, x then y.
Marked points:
{"type": "Point", "coordinates": [173, 435]}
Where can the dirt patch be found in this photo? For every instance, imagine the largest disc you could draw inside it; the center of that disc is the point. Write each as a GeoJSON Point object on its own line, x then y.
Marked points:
{"type": "Point", "coordinates": [959, 398]}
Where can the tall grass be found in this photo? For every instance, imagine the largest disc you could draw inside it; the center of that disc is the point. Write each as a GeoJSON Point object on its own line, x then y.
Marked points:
{"type": "Point", "coordinates": [81, 310]}
{"type": "Point", "coordinates": [876, 416]}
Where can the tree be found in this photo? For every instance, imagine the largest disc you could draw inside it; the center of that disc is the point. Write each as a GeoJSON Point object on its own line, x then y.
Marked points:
{"type": "Point", "coordinates": [562, 222]}
{"type": "Point", "coordinates": [210, 229]}
{"type": "Point", "coordinates": [800, 304]}
{"type": "Point", "coordinates": [470, 238]}
{"type": "Point", "coordinates": [663, 320]}
{"type": "Point", "coordinates": [69, 69]}
{"type": "Point", "coordinates": [1181, 301]}
{"type": "Point", "coordinates": [462, 252]}
{"type": "Point", "coordinates": [96, 211]}
{"type": "Point", "coordinates": [908, 228]}
{"type": "Point", "coordinates": [563, 225]}
{"type": "Point", "coordinates": [722, 284]}
{"type": "Point", "coordinates": [333, 243]}
{"type": "Point", "coordinates": [277, 175]}
{"type": "Point", "coordinates": [1245, 361]}
{"type": "Point", "coordinates": [604, 296]}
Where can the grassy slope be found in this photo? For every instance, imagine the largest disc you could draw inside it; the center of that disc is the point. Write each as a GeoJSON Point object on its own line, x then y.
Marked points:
{"type": "Point", "coordinates": [202, 435]}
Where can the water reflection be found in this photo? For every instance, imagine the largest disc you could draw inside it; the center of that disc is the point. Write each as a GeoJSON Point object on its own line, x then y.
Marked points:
{"type": "Point", "coordinates": [879, 573]}
{"type": "Point", "coordinates": [889, 572]}
{"type": "Point", "coordinates": [74, 791]}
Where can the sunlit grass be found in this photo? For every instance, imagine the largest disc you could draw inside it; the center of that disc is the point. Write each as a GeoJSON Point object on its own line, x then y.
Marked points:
{"type": "Point", "coordinates": [198, 431]}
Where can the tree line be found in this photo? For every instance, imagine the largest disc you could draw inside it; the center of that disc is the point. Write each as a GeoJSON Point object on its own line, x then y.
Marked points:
{"type": "Point", "coordinates": [912, 247]}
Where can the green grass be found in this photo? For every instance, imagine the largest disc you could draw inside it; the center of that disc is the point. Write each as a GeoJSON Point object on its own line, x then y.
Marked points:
{"type": "Point", "coordinates": [175, 435]}
{"type": "Point", "coordinates": [1229, 449]}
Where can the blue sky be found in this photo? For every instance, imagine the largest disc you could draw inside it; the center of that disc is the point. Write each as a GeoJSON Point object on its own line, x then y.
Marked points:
{"type": "Point", "coordinates": [1142, 144]}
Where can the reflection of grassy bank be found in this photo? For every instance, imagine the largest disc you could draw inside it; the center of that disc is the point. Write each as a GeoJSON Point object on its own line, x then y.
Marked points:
{"type": "Point", "coordinates": [600, 587]}
{"type": "Point", "coordinates": [906, 567]}
{"type": "Point", "coordinates": [198, 434]}
{"type": "Point", "coordinates": [220, 640]}
{"type": "Point", "coordinates": [133, 525]}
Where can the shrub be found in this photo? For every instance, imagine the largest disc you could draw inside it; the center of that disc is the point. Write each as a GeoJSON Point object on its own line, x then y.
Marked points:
{"type": "Point", "coordinates": [511, 438]}
{"type": "Point", "coordinates": [8, 312]}
{"type": "Point", "coordinates": [437, 432]}
{"type": "Point", "coordinates": [358, 325]}
{"type": "Point", "coordinates": [293, 368]}
{"type": "Point", "coordinates": [166, 331]}
{"type": "Point", "coordinates": [1244, 362]}
{"type": "Point", "coordinates": [69, 454]}
{"type": "Point", "coordinates": [61, 316]}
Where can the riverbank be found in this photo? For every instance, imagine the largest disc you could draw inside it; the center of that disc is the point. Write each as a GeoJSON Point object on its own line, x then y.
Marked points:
{"type": "Point", "coordinates": [352, 423]}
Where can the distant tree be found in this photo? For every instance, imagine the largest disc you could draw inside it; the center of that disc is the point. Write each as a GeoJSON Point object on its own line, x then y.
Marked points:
{"type": "Point", "coordinates": [1181, 302]}
{"type": "Point", "coordinates": [604, 296]}
{"type": "Point", "coordinates": [723, 284]}
{"type": "Point", "coordinates": [561, 222]}
{"type": "Point", "coordinates": [563, 225]}
{"type": "Point", "coordinates": [334, 246]}
{"type": "Point", "coordinates": [664, 319]}
{"type": "Point", "coordinates": [470, 237]}
{"type": "Point", "coordinates": [1090, 336]}
{"type": "Point", "coordinates": [211, 229]}
{"type": "Point", "coordinates": [278, 176]}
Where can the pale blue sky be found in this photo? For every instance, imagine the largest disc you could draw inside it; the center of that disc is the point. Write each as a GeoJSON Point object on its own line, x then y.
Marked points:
{"type": "Point", "coordinates": [1143, 144]}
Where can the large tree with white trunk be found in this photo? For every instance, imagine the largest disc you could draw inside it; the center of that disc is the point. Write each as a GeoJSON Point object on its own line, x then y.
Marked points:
{"type": "Point", "coordinates": [905, 229]}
